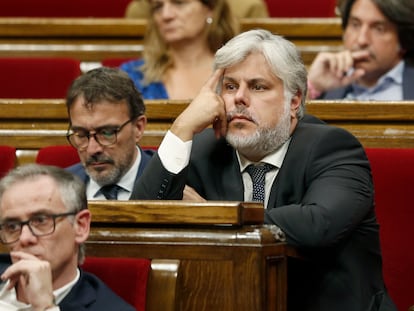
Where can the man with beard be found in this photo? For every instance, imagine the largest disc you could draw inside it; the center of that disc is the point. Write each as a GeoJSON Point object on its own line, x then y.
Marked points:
{"type": "Point", "coordinates": [377, 63]}
{"type": "Point", "coordinates": [317, 181]}
{"type": "Point", "coordinates": [106, 114]}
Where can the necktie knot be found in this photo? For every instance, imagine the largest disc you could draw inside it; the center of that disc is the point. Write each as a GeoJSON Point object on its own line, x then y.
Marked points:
{"type": "Point", "coordinates": [110, 192]}
{"type": "Point", "coordinates": [258, 174]}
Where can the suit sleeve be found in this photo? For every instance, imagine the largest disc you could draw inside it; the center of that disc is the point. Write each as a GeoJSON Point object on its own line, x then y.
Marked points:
{"type": "Point", "coordinates": [336, 195]}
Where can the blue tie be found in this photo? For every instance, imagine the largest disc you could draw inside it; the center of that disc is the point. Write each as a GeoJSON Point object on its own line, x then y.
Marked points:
{"type": "Point", "coordinates": [110, 191]}
{"type": "Point", "coordinates": [257, 174]}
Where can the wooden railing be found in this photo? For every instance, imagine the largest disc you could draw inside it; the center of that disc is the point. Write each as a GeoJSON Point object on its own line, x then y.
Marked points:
{"type": "Point", "coordinates": [31, 124]}
{"type": "Point", "coordinates": [95, 39]}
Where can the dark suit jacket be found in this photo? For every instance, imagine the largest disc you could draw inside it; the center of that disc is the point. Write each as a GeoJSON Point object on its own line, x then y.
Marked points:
{"type": "Point", "coordinates": [322, 199]}
{"type": "Point", "coordinates": [89, 293]}
{"type": "Point", "coordinates": [79, 170]}
{"type": "Point", "coordinates": [408, 89]}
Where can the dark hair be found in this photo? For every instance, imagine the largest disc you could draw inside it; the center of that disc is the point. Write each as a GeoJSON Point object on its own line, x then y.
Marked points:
{"type": "Point", "coordinates": [104, 83]}
{"type": "Point", "coordinates": [398, 12]}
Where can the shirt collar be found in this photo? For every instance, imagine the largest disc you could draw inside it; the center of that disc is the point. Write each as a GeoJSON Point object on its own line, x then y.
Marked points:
{"type": "Point", "coordinates": [276, 158]}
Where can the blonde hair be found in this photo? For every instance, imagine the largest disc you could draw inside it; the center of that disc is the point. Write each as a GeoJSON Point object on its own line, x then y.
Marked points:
{"type": "Point", "coordinates": [156, 54]}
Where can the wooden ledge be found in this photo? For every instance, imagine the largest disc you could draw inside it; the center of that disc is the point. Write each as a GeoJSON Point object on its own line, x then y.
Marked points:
{"type": "Point", "coordinates": [174, 212]}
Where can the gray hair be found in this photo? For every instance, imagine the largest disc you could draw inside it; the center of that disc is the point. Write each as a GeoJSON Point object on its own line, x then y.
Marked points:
{"type": "Point", "coordinates": [282, 56]}
{"type": "Point", "coordinates": [71, 188]}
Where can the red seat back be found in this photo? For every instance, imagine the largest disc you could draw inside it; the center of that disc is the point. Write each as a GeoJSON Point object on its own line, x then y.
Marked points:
{"type": "Point", "coordinates": [61, 156]}
{"type": "Point", "coordinates": [393, 175]}
{"type": "Point", "coordinates": [127, 277]}
{"type": "Point", "coordinates": [301, 8]}
{"type": "Point", "coordinates": [63, 8]}
{"type": "Point", "coordinates": [36, 77]}
{"type": "Point", "coordinates": [7, 159]}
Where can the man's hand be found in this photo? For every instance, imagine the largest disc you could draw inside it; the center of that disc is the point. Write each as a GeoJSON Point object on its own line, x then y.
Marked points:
{"type": "Point", "coordinates": [189, 194]}
{"type": "Point", "coordinates": [332, 70]}
{"type": "Point", "coordinates": [205, 109]}
{"type": "Point", "coordinates": [32, 279]}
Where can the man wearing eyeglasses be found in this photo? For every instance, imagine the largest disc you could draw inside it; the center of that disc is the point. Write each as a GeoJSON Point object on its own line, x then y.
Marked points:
{"type": "Point", "coordinates": [107, 120]}
{"type": "Point", "coordinates": [44, 222]}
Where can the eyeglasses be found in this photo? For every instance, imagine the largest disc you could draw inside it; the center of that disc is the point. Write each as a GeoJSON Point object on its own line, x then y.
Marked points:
{"type": "Point", "coordinates": [105, 136]}
{"type": "Point", "coordinates": [39, 225]}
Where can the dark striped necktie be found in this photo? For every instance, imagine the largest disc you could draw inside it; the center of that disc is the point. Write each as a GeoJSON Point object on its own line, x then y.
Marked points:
{"type": "Point", "coordinates": [110, 191]}
{"type": "Point", "coordinates": [257, 174]}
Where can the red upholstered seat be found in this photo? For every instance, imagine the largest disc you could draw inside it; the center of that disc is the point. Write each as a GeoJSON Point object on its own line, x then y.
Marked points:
{"type": "Point", "coordinates": [128, 277]}
{"type": "Point", "coordinates": [63, 8]}
{"type": "Point", "coordinates": [36, 77]}
{"type": "Point", "coordinates": [393, 175]}
{"type": "Point", "coordinates": [7, 159]}
{"type": "Point", "coordinates": [62, 156]}
{"type": "Point", "coordinates": [301, 8]}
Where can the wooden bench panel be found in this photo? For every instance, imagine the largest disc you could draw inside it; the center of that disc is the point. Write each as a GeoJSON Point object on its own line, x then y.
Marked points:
{"type": "Point", "coordinates": [218, 263]}
{"type": "Point", "coordinates": [94, 39]}
{"type": "Point", "coordinates": [31, 124]}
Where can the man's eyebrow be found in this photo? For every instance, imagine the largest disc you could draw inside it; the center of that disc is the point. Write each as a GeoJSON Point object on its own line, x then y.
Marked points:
{"type": "Point", "coordinates": [36, 213]}
{"type": "Point", "coordinates": [80, 128]}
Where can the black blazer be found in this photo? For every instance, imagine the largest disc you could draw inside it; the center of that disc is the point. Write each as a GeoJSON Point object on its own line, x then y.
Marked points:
{"type": "Point", "coordinates": [88, 294]}
{"type": "Point", "coordinates": [322, 199]}
{"type": "Point", "coordinates": [407, 85]}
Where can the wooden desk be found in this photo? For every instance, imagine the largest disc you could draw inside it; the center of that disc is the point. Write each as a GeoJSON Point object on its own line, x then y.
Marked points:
{"type": "Point", "coordinates": [228, 259]}
{"type": "Point", "coordinates": [94, 39]}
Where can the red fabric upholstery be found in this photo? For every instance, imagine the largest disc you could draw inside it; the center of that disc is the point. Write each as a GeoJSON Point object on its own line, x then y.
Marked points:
{"type": "Point", "coordinates": [301, 8]}
{"type": "Point", "coordinates": [128, 277]}
{"type": "Point", "coordinates": [393, 175]}
{"type": "Point", "coordinates": [34, 77]}
{"type": "Point", "coordinates": [63, 8]}
{"type": "Point", "coordinates": [62, 156]}
{"type": "Point", "coordinates": [7, 159]}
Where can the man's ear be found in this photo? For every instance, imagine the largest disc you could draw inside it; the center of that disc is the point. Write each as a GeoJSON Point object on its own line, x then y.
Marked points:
{"type": "Point", "coordinates": [295, 103]}
{"type": "Point", "coordinates": [140, 124]}
{"type": "Point", "coordinates": [82, 226]}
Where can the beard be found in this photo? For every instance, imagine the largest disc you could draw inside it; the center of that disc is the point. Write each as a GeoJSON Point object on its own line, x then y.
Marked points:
{"type": "Point", "coordinates": [108, 176]}
{"type": "Point", "coordinates": [264, 140]}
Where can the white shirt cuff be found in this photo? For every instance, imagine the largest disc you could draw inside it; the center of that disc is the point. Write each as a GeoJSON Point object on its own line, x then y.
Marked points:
{"type": "Point", "coordinates": [174, 153]}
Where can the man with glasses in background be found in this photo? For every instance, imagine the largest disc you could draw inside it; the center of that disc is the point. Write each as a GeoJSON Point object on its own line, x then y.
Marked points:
{"type": "Point", "coordinates": [44, 222]}
{"type": "Point", "coordinates": [107, 120]}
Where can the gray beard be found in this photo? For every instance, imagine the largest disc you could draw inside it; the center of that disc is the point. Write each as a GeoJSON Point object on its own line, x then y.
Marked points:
{"type": "Point", "coordinates": [264, 141]}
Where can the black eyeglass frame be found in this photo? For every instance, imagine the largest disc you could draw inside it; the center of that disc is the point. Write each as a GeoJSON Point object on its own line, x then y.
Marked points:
{"type": "Point", "coordinates": [98, 131]}
{"type": "Point", "coordinates": [27, 222]}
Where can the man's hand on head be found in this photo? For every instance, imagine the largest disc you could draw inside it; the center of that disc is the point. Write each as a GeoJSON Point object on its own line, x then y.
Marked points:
{"type": "Point", "coordinates": [206, 109]}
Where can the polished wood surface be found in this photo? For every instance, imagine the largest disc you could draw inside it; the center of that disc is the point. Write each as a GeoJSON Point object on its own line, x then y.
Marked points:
{"type": "Point", "coordinates": [31, 124]}
{"type": "Point", "coordinates": [93, 39]}
{"type": "Point", "coordinates": [177, 212]}
{"type": "Point", "coordinates": [222, 266]}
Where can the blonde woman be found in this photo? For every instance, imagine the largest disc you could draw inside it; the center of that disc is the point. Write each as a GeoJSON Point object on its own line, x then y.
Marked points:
{"type": "Point", "coordinates": [182, 37]}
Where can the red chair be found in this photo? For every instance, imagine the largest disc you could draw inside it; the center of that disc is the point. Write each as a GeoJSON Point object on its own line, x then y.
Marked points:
{"type": "Point", "coordinates": [301, 8]}
{"type": "Point", "coordinates": [63, 8]}
{"type": "Point", "coordinates": [127, 277]}
{"type": "Point", "coordinates": [62, 156]}
{"type": "Point", "coordinates": [7, 159]}
{"type": "Point", "coordinates": [393, 175]}
{"type": "Point", "coordinates": [34, 77]}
